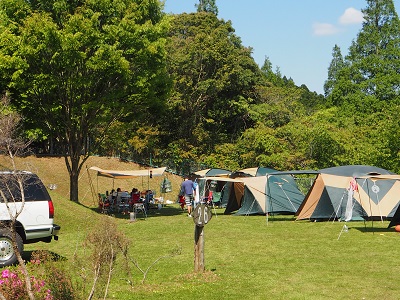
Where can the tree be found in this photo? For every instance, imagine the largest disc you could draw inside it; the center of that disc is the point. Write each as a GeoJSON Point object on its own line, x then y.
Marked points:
{"type": "Point", "coordinates": [389, 138]}
{"type": "Point", "coordinates": [366, 88]}
{"type": "Point", "coordinates": [373, 59]}
{"type": "Point", "coordinates": [76, 67]}
{"type": "Point", "coordinates": [214, 79]}
{"type": "Point", "coordinates": [376, 52]}
{"type": "Point", "coordinates": [270, 76]}
{"type": "Point", "coordinates": [207, 6]}
{"type": "Point", "coordinates": [12, 145]}
{"type": "Point", "coordinates": [335, 67]}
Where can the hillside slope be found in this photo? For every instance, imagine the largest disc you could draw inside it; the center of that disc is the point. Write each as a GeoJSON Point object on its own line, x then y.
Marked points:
{"type": "Point", "coordinates": [53, 171]}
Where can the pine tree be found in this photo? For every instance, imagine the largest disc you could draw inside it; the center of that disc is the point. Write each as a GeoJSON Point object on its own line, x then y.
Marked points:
{"type": "Point", "coordinates": [207, 6]}
{"type": "Point", "coordinates": [374, 57]}
{"type": "Point", "coordinates": [335, 66]}
{"type": "Point", "coordinates": [370, 72]}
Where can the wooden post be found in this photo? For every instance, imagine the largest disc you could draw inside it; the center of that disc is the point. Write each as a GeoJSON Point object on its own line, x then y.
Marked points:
{"type": "Point", "coordinates": [199, 249]}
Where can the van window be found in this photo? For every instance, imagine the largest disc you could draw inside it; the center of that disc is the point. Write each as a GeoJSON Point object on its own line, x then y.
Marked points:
{"type": "Point", "coordinates": [34, 189]}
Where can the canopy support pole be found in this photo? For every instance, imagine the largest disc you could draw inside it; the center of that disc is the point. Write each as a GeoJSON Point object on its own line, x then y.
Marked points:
{"type": "Point", "coordinates": [92, 187]}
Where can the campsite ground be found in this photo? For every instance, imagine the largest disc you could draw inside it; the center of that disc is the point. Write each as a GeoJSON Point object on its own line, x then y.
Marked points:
{"type": "Point", "coordinates": [246, 257]}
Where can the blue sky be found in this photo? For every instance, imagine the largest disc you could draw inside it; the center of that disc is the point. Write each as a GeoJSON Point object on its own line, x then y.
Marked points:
{"type": "Point", "coordinates": [297, 36]}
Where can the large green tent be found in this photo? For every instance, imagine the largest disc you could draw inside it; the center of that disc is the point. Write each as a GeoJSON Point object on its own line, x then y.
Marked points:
{"type": "Point", "coordinates": [230, 189]}
{"type": "Point", "coordinates": [271, 192]}
{"type": "Point", "coordinates": [329, 199]}
{"type": "Point", "coordinates": [254, 196]}
{"type": "Point", "coordinates": [275, 193]}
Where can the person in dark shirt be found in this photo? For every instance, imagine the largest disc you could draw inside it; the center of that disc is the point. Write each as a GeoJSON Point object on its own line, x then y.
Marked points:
{"type": "Point", "coordinates": [187, 189]}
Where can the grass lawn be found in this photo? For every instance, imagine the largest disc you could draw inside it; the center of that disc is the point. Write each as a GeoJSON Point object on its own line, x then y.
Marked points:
{"type": "Point", "coordinates": [246, 257]}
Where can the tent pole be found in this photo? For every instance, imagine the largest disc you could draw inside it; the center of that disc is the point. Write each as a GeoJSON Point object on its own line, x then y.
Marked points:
{"type": "Point", "coordinates": [251, 207]}
{"type": "Point", "coordinates": [336, 212]}
{"type": "Point", "coordinates": [266, 200]}
{"type": "Point", "coordinates": [370, 207]}
{"type": "Point", "coordinates": [92, 187]}
{"type": "Point", "coordinates": [377, 199]}
{"type": "Point", "coordinates": [361, 202]}
{"type": "Point", "coordinates": [280, 185]}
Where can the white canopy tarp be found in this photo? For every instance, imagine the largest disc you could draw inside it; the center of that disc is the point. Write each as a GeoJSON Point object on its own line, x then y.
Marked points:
{"type": "Point", "coordinates": [117, 174]}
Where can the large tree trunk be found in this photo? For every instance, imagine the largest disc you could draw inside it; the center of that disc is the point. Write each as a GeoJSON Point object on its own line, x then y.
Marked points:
{"type": "Point", "coordinates": [73, 186]}
{"type": "Point", "coordinates": [74, 164]}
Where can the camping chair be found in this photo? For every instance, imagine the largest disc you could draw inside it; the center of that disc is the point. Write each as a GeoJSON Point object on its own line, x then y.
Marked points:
{"type": "Point", "coordinates": [137, 205]}
{"type": "Point", "coordinates": [216, 199]}
{"type": "Point", "coordinates": [149, 199]}
{"type": "Point", "coordinates": [135, 198]}
{"type": "Point", "coordinates": [124, 203]}
{"type": "Point", "coordinates": [140, 207]}
{"type": "Point", "coordinates": [210, 201]}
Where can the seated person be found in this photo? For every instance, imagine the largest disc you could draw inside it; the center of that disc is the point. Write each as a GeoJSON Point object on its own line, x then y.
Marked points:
{"type": "Point", "coordinates": [148, 198]}
{"type": "Point", "coordinates": [135, 197]}
{"type": "Point", "coordinates": [118, 196]}
{"type": "Point", "coordinates": [103, 200]}
{"type": "Point", "coordinates": [112, 196]}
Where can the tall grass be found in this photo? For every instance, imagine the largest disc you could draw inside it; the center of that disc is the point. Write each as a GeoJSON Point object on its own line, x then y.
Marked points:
{"type": "Point", "coordinates": [246, 257]}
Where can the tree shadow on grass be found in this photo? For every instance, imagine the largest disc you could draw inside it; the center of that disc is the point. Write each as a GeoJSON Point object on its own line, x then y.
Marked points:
{"type": "Point", "coordinates": [28, 255]}
{"type": "Point", "coordinates": [154, 211]}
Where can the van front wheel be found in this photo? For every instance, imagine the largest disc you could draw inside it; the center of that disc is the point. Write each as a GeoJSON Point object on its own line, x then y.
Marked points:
{"type": "Point", "coordinates": [7, 254]}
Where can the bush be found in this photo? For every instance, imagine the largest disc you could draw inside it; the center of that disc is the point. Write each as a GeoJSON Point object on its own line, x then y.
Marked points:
{"type": "Point", "coordinates": [56, 277]}
{"type": "Point", "coordinates": [13, 286]}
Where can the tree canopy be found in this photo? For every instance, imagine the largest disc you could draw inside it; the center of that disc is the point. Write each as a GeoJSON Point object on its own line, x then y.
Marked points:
{"type": "Point", "coordinates": [365, 86]}
{"type": "Point", "coordinates": [214, 79]}
{"type": "Point", "coordinates": [371, 67]}
{"type": "Point", "coordinates": [75, 67]}
{"type": "Point", "coordinates": [181, 90]}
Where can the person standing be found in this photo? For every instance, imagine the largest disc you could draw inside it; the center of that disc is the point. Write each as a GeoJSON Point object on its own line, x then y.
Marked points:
{"type": "Point", "coordinates": [187, 189]}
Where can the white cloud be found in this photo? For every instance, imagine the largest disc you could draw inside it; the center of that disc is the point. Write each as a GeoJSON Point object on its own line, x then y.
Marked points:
{"type": "Point", "coordinates": [322, 29]}
{"type": "Point", "coordinates": [351, 16]}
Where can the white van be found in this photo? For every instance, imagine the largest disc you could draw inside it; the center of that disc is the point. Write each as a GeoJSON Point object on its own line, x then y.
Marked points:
{"type": "Point", "coordinates": [34, 223]}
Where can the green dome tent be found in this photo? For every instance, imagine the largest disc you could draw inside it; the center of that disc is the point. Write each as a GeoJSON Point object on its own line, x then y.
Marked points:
{"type": "Point", "coordinates": [275, 193]}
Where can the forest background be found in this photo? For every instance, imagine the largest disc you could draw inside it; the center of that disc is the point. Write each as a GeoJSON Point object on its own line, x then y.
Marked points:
{"type": "Point", "coordinates": [123, 78]}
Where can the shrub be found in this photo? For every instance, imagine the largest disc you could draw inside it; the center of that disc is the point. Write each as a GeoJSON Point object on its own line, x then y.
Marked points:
{"type": "Point", "coordinates": [58, 280]}
{"type": "Point", "coordinates": [13, 286]}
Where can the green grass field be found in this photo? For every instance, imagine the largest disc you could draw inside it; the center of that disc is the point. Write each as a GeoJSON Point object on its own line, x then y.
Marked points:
{"type": "Point", "coordinates": [245, 257]}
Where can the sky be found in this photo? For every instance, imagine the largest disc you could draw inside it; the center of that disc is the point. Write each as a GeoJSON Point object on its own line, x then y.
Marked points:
{"type": "Point", "coordinates": [297, 36]}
